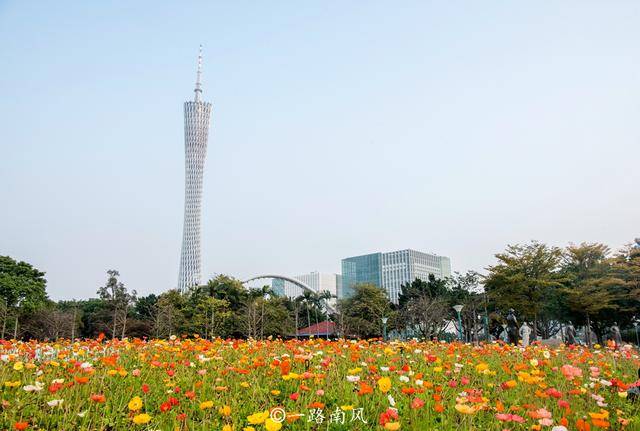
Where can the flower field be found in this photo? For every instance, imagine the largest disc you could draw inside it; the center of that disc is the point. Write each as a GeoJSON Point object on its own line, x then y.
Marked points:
{"type": "Point", "coordinates": [195, 384]}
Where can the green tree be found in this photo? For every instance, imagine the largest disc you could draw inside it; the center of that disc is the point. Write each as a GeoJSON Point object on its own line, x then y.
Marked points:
{"type": "Point", "coordinates": [592, 291]}
{"type": "Point", "coordinates": [211, 315]}
{"type": "Point", "coordinates": [424, 307]}
{"type": "Point", "coordinates": [363, 310]}
{"type": "Point", "coordinates": [524, 279]}
{"type": "Point", "coordinates": [277, 317]}
{"type": "Point", "coordinates": [171, 314]}
{"type": "Point", "coordinates": [119, 299]}
{"type": "Point", "coordinates": [307, 300]}
{"type": "Point", "coordinates": [236, 297]}
{"type": "Point", "coordinates": [22, 290]}
{"type": "Point", "coordinates": [464, 290]}
{"type": "Point", "coordinates": [433, 288]}
{"type": "Point", "coordinates": [228, 289]}
{"type": "Point", "coordinates": [626, 265]}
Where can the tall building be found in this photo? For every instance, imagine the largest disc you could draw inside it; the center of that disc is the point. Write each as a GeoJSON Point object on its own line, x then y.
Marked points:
{"type": "Point", "coordinates": [391, 270]}
{"type": "Point", "coordinates": [197, 115]}
{"type": "Point", "coordinates": [317, 281]}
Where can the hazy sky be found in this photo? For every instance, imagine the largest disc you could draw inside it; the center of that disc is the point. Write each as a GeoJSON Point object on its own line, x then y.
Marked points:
{"type": "Point", "coordinates": [339, 128]}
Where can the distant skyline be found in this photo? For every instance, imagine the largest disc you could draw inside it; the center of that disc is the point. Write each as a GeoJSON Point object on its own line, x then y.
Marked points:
{"type": "Point", "coordinates": [338, 129]}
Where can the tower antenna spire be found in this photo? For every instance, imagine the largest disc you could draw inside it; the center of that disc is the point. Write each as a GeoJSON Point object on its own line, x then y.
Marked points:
{"type": "Point", "coordinates": [198, 89]}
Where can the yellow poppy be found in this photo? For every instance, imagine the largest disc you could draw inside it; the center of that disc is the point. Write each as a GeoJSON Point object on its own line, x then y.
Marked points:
{"type": "Point", "coordinates": [465, 409]}
{"type": "Point", "coordinates": [135, 404]}
{"type": "Point", "coordinates": [141, 419]}
{"type": "Point", "coordinates": [384, 384]}
{"type": "Point", "coordinates": [272, 425]}
{"type": "Point", "coordinates": [258, 418]}
{"type": "Point", "coordinates": [206, 405]}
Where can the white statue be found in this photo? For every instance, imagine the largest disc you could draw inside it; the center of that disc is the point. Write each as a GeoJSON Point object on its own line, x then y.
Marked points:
{"type": "Point", "coordinates": [525, 331]}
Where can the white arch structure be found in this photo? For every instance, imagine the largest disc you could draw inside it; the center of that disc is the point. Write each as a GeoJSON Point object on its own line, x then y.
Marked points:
{"type": "Point", "coordinates": [300, 284]}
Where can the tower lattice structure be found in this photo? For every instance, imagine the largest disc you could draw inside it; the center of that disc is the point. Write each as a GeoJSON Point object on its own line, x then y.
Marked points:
{"type": "Point", "coordinates": [197, 115]}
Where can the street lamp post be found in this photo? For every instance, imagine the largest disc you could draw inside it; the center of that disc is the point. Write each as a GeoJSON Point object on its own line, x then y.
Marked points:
{"type": "Point", "coordinates": [486, 317]}
{"type": "Point", "coordinates": [458, 309]}
{"type": "Point", "coordinates": [384, 328]}
{"type": "Point", "coordinates": [486, 327]}
{"type": "Point", "coordinates": [635, 324]}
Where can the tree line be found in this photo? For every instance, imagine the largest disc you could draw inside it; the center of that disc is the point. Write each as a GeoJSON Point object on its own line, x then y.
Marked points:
{"type": "Point", "coordinates": [549, 288]}
{"type": "Point", "coordinates": [585, 285]}
{"type": "Point", "coordinates": [223, 307]}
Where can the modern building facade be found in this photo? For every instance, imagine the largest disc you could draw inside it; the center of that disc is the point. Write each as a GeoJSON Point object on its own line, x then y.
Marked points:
{"type": "Point", "coordinates": [317, 281]}
{"type": "Point", "coordinates": [197, 115]}
{"type": "Point", "coordinates": [391, 270]}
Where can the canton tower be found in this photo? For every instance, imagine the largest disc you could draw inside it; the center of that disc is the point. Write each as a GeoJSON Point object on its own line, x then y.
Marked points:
{"type": "Point", "coordinates": [196, 134]}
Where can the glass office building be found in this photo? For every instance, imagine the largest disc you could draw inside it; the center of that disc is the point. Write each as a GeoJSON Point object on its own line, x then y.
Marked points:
{"type": "Point", "coordinates": [277, 285]}
{"type": "Point", "coordinates": [360, 270]}
{"type": "Point", "coordinates": [391, 270]}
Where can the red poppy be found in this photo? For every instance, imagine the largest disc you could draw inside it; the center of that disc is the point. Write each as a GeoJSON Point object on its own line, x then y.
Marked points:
{"type": "Point", "coordinates": [554, 393]}
{"type": "Point", "coordinates": [417, 403]}
{"type": "Point", "coordinates": [285, 367]}
{"type": "Point", "coordinates": [98, 398]}
{"type": "Point", "coordinates": [388, 416]}
{"type": "Point", "coordinates": [21, 425]}
{"type": "Point", "coordinates": [365, 389]}
{"type": "Point", "coordinates": [55, 387]}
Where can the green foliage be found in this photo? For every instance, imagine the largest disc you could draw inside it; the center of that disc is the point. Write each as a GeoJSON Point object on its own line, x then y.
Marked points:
{"type": "Point", "coordinates": [362, 312]}
{"type": "Point", "coordinates": [21, 285]}
{"type": "Point", "coordinates": [591, 286]}
{"type": "Point", "coordinates": [119, 299]}
{"type": "Point", "coordinates": [525, 278]}
{"type": "Point", "coordinates": [226, 288]}
{"type": "Point", "coordinates": [431, 288]}
{"type": "Point", "coordinates": [626, 268]}
{"type": "Point", "coordinates": [310, 308]}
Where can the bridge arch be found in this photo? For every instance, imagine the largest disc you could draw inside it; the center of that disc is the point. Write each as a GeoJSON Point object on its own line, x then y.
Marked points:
{"type": "Point", "coordinates": [303, 286]}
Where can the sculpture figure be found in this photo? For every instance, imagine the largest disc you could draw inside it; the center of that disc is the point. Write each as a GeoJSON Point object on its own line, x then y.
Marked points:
{"type": "Point", "coordinates": [525, 331]}
{"type": "Point", "coordinates": [615, 335]}
{"type": "Point", "coordinates": [512, 327]}
{"type": "Point", "coordinates": [570, 334]}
